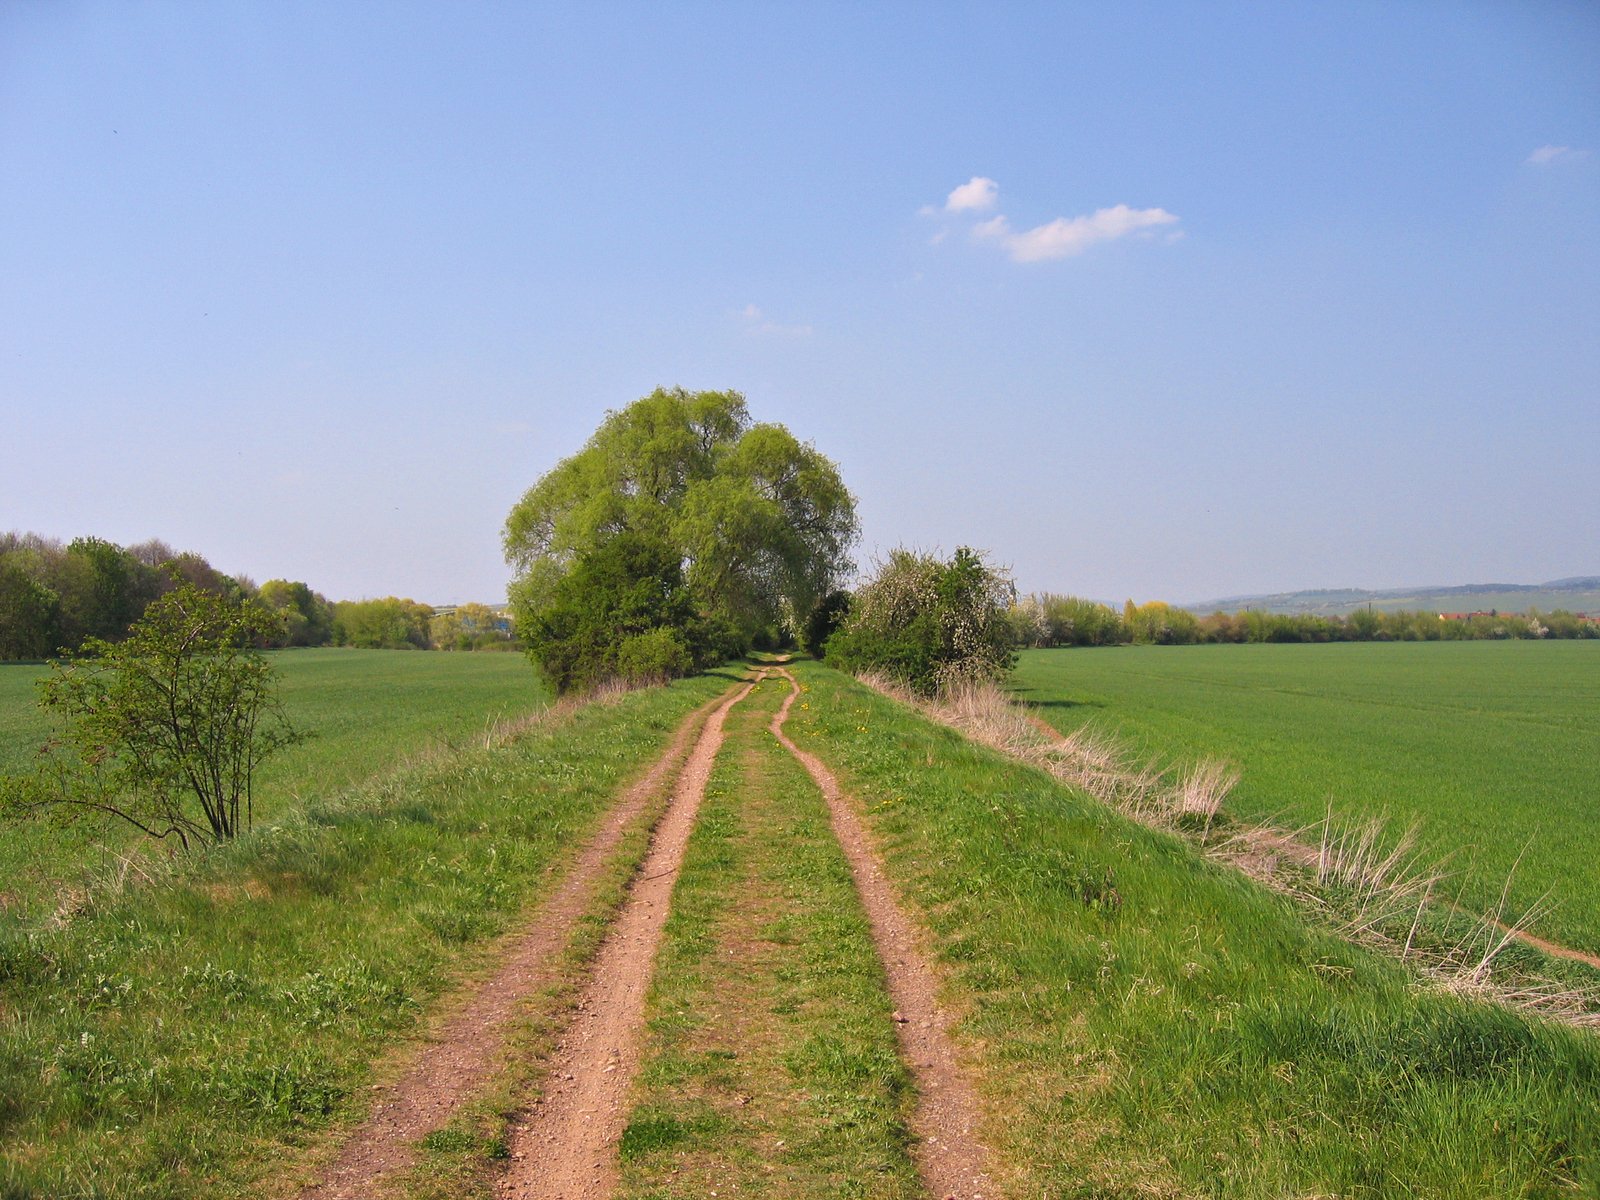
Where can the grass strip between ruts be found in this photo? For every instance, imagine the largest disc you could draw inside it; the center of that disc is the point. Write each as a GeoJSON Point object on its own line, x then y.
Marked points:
{"type": "Point", "coordinates": [1144, 1023]}
{"type": "Point", "coordinates": [771, 1064]}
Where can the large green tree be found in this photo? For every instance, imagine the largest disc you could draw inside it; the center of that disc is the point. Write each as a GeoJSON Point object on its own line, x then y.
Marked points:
{"type": "Point", "coordinates": [759, 523]}
{"type": "Point", "coordinates": [30, 611]}
{"type": "Point", "coordinates": [307, 616]}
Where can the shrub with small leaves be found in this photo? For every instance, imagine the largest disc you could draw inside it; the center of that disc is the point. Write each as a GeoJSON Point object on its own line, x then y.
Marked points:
{"type": "Point", "coordinates": [932, 624]}
{"type": "Point", "coordinates": [165, 729]}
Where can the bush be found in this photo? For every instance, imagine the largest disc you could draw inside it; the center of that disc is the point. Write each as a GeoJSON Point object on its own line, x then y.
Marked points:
{"type": "Point", "coordinates": [164, 730]}
{"type": "Point", "coordinates": [823, 620]}
{"type": "Point", "coordinates": [653, 657]}
{"type": "Point", "coordinates": [621, 611]}
{"type": "Point", "coordinates": [929, 623]}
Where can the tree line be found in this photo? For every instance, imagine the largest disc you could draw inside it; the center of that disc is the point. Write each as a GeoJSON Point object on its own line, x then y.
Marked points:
{"type": "Point", "coordinates": [1046, 619]}
{"type": "Point", "coordinates": [56, 596]}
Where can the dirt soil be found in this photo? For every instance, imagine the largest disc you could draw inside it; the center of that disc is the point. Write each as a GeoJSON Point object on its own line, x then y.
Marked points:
{"type": "Point", "coordinates": [564, 1147]}
{"type": "Point", "coordinates": [950, 1158]}
{"type": "Point", "coordinates": [462, 1051]}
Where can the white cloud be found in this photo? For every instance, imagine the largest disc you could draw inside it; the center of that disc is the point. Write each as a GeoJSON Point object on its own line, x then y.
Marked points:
{"type": "Point", "coordinates": [1546, 156]}
{"type": "Point", "coordinates": [1065, 237]}
{"type": "Point", "coordinates": [994, 227]}
{"type": "Point", "coordinates": [976, 195]}
{"type": "Point", "coordinates": [756, 324]}
{"type": "Point", "coordinates": [1061, 238]}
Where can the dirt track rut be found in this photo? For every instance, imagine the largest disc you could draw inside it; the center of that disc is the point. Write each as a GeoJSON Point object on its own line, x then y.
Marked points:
{"type": "Point", "coordinates": [445, 1072]}
{"type": "Point", "coordinates": [565, 1146]}
{"type": "Point", "coordinates": [950, 1157]}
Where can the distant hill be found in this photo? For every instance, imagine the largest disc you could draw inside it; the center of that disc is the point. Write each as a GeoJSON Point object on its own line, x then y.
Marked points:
{"type": "Point", "coordinates": [1580, 593]}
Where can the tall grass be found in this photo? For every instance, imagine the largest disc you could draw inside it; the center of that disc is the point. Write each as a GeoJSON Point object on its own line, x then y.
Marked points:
{"type": "Point", "coordinates": [1375, 889]}
{"type": "Point", "coordinates": [1150, 1022]}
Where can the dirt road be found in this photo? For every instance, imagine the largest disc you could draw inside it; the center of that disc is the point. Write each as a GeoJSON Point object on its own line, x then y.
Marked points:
{"type": "Point", "coordinates": [444, 1073]}
{"type": "Point", "coordinates": [565, 1147]}
{"type": "Point", "coordinates": [950, 1158]}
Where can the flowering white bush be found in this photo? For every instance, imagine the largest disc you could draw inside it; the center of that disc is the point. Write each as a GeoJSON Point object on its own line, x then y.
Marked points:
{"type": "Point", "coordinates": [934, 625]}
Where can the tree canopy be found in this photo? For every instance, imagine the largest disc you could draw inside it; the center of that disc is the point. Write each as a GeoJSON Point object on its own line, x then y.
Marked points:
{"type": "Point", "coordinates": [758, 524]}
{"type": "Point", "coordinates": [53, 596]}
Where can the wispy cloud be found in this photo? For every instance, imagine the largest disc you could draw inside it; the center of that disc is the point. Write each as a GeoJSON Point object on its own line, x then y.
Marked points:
{"type": "Point", "coordinates": [1062, 238]}
{"type": "Point", "coordinates": [1548, 156]}
{"type": "Point", "coordinates": [756, 324]}
{"type": "Point", "coordinates": [978, 194]}
{"type": "Point", "coordinates": [1067, 236]}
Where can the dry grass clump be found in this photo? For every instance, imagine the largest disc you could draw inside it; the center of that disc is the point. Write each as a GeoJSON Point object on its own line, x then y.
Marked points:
{"type": "Point", "coordinates": [1088, 759]}
{"type": "Point", "coordinates": [1377, 890]}
{"type": "Point", "coordinates": [503, 731]}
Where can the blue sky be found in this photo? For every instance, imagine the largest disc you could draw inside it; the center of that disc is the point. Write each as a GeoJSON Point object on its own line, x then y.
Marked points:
{"type": "Point", "coordinates": [1162, 301]}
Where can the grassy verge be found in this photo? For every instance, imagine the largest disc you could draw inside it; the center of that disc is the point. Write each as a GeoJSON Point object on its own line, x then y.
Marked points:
{"type": "Point", "coordinates": [363, 710]}
{"type": "Point", "coordinates": [1487, 746]}
{"type": "Point", "coordinates": [771, 1066]}
{"type": "Point", "coordinates": [1148, 1024]}
{"type": "Point", "coordinates": [192, 1035]}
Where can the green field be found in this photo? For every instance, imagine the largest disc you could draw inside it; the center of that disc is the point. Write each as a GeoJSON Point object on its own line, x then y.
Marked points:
{"type": "Point", "coordinates": [1493, 748]}
{"type": "Point", "coordinates": [362, 710]}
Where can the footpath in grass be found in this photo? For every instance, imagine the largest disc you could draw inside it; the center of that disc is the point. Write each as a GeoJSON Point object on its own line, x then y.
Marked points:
{"type": "Point", "coordinates": [1490, 747]}
{"type": "Point", "coordinates": [192, 1034]}
{"type": "Point", "coordinates": [771, 1064]}
{"type": "Point", "coordinates": [1144, 1023]}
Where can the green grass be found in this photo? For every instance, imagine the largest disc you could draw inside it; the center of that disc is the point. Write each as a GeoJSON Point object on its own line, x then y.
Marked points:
{"type": "Point", "coordinates": [771, 1065]}
{"type": "Point", "coordinates": [1181, 1031]}
{"type": "Point", "coordinates": [363, 710]}
{"type": "Point", "coordinates": [199, 1033]}
{"type": "Point", "coordinates": [1491, 747]}
{"type": "Point", "coordinates": [1142, 1022]}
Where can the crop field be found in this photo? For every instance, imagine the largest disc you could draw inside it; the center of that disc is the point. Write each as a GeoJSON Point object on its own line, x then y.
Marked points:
{"type": "Point", "coordinates": [361, 710]}
{"type": "Point", "coordinates": [1489, 747]}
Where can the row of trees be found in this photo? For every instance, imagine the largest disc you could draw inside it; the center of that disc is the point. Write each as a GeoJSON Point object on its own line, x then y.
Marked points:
{"type": "Point", "coordinates": [1050, 620]}
{"type": "Point", "coordinates": [55, 597]}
